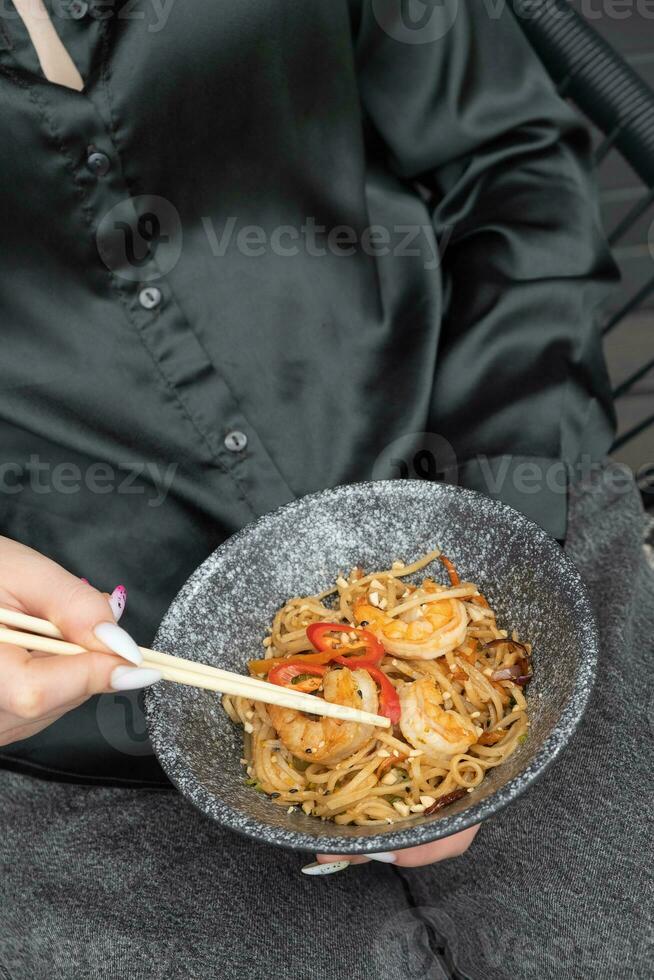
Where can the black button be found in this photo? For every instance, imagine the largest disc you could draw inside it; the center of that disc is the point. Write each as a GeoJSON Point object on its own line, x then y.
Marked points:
{"type": "Point", "coordinates": [236, 441]}
{"type": "Point", "coordinates": [98, 163]}
{"type": "Point", "coordinates": [78, 9]}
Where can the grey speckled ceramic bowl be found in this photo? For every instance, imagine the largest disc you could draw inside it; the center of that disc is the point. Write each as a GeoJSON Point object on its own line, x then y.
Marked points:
{"type": "Point", "coordinates": [222, 613]}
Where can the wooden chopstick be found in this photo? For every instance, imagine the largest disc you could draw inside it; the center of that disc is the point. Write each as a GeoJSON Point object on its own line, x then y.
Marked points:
{"type": "Point", "coordinates": [46, 638]}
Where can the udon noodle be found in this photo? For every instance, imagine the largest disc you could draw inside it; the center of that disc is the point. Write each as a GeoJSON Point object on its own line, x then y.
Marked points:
{"type": "Point", "coordinates": [428, 655]}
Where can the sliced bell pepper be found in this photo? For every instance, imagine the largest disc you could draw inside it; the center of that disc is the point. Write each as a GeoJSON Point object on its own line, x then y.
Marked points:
{"type": "Point", "coordinates": [264, 666]}
{"type": "Point", "coordinates": [296, 674]}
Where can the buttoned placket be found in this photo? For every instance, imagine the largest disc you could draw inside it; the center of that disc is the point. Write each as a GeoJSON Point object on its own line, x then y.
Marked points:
{"type": "Point", "coordinates": [148, 299]}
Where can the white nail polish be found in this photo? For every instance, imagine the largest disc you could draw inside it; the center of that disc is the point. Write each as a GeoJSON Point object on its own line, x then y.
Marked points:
{"type": "Point", "coordinates": [117, 601]}
{"type": "Point", "coordinates": [325, 869]}
{"type": "Point", "coordinates": [118, 641]}
{"type": "Point", "coordinates": [132, 678]}
{"type": "Point", "coordinates": [386, 857]}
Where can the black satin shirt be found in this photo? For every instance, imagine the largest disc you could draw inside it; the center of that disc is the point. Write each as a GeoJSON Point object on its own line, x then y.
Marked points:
{"type": "Point", "coordinates": [272, 247]}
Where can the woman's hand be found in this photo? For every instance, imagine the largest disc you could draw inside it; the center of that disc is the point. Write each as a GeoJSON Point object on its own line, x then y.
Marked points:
{"type": "Point", "coordinates": [35, 688]}
{"type": "Point", "coordinates": [411, 857]}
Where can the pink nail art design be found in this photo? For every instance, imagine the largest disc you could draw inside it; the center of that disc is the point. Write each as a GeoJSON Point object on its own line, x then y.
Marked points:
{"type": "Point", "coordinates": [118, 601]}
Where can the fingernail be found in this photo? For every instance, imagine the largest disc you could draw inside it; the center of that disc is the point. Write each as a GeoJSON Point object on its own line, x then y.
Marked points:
{"type": "Point", "coordinates": [117, 601]}
{"type": "Point", "coordinates": [131, 678]}
{"type": "Point", "coordinates": [386, 857]}
{"type": "Point", "coordinates": [118, 641]}
{"type": "Point", "coordinates": [325, 869]}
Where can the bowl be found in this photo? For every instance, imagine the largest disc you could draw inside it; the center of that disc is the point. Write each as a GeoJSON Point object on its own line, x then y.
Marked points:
{"type": "Point", "coordinates": [222, 612]}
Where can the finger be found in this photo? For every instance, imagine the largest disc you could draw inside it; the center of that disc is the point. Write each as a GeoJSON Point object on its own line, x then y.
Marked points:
{"type": "Point", "coordinates": [34, 688]}
{"type": "Point", "coordinates": [118, 601]}
{"type": "Point", "coordinates": [45, 589]}
{"type": "Point", "coordinates": [413, 857]}
{"type": "Point", "coordinates": [335, 858]}
{"type": "Point", "coordinates": [13, 729]}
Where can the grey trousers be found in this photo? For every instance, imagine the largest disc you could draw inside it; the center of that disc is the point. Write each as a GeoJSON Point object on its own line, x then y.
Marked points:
{"type": "Point", "coordinates": [124, 883]}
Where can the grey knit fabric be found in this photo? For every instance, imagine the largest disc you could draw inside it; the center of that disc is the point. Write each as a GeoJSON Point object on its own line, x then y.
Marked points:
{"type": "Point", "coordinates": [124, 883]}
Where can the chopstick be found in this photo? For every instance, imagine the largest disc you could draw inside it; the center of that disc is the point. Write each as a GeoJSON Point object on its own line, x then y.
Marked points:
{"type": "Point", "coordinates": [45, 637]}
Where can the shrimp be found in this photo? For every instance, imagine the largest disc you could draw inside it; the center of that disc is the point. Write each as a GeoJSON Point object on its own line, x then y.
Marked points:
{"type": "Point", "coordinates": [421, 633]}
{"type": "Point", "coordinates": [428, 726]}
{"type": "Point", "coordinates": [328, 740]}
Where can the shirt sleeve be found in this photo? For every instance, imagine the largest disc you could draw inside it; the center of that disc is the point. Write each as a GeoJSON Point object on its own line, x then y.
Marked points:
{"type": "Point", "coordinates": [465, 108]}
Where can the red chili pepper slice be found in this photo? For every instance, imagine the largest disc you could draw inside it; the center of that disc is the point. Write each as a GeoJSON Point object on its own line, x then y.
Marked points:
{"type": "Point", "coordinates": [389, 702]}
{"type": "Point", "coordinates": [373, 652]}
{"type": "Point", "coordinates": [284, 674]}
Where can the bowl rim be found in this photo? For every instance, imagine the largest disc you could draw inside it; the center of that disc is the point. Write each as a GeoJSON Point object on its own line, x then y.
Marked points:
{"type": "Point", "coordinates": [395, 837]}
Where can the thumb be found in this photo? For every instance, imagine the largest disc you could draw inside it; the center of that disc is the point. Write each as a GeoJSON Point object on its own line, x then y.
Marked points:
{"type": "Point", "coordinates": [45, 589]}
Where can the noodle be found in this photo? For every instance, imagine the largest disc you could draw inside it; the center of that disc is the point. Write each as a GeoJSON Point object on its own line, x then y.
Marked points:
{"type": "Point", "coordinates": [394, 774]}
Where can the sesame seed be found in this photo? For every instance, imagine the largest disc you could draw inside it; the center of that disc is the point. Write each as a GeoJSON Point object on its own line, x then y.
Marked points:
{"type": "Point", "coordinates": [374, 598]}
{"type": "Point", "coordinates": [383, 753]}
{"type": "Point", "coordinates": [427, 800]}
{"type": "Point", "coordinates": [248, 727]}
{"type": "Point", "coordinates": [475, 714]}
